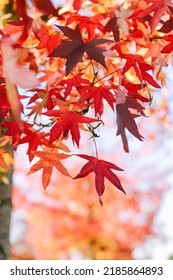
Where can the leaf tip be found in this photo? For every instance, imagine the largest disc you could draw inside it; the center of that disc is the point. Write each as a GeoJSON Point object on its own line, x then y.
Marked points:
{"type": "Point", "coordinates": [100, 201]}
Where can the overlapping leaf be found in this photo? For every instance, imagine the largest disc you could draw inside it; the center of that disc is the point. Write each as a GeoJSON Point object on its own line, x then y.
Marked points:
{"type": "Point", "coordinates": [74, 48]}
{"type": "Point", "coordinates": [45, 7]}
{"type": "Point", "coordinates": [167, 26]}
{"type": "Point", "coordinates": [96, 95]}
{"type": "Point", "coordinates": [67, 121]}
{"type": "Point", "coordinates": [169, 47]}
{"type": "Point", "coordinates": [139, 65]}
{"type": "Point", "coordinates": [125, 120]}
{"type": "Point", "coordinates": [77, 81]}
{"type": "Point", "coordinates": [158, 8]}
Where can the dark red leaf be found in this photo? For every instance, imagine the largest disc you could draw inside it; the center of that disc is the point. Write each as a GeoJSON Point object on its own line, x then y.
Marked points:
{"type": "Point", "coordinates": [102, 170]}
{"type": "Point", "coordinates": [167, 26]}
{"type": "Point", "coordinates": [126, 120]}
{"type": "Point", "coordinates": [96, 53]}
{"type": "Point", "coordinates": [21, 8]}
{"type": "Point", "coordinates": [45, 6]}
{"type": "Point", "coordinates": [112, 25]}
{"type": "Point", "coordinates": [74, 48]}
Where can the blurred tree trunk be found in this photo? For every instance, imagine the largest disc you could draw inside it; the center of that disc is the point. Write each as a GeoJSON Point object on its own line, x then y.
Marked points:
{"type": "Point", "coordinates": [5, 210]}
{"type": "Point", "coordinates": [7, 8]}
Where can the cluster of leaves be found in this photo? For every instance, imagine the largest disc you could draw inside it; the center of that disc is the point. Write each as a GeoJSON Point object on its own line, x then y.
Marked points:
{"type": "Point", "coordinates": [74, 60]}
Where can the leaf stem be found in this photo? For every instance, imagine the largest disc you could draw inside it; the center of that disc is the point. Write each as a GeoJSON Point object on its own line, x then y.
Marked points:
{"type": "Point", "coordinates": [95, 144]}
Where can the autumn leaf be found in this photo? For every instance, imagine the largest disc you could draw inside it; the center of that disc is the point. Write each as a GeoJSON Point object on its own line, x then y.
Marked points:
{"type": "Point", "coordinates": [140, 66]}
{"type": "Point", "coordinates": [102, 170]}
{"type": "Point", "coordinates": [77, 4]}
{"type": "Point", "coordinates": [48, 98]}
{"type": "Point", "coordinates": [113, 26]}
{"type": "Point", "coordinates": [118, 21]}
{"type": "Point", "coordinates": [39, 139]}
{"type": "Point", "coordinates": [14, 102]}
{"type": "Point", "coordinates": [74, 48]}
{"type": "Point", "coordinates": [96, 95]}
{"type": "Point", "coordinates": [133, 104]}
{"type": "Point", "coordinates": [46, 7]}
{"type": "Point", "coordinates": [46, 39]}
{"type": "Point", "coordinates": [109, 57]}
{"type": "Point", "coordinates": [67, 121]}
{"type": "Point", "coordinates": [77, 81]}
{"type": "Point", "coordinates": [125, 119]}
{"type": "Point", "coordinates": [169, 47]}
{"type": "Point", "coordinates": [167, 26]}
{"type": "Point", "coordinates": [158, 8]}
{"type": "Point", "coordinates": [21, 6]}
{"type": "Point", "coordinates": [91, 23]}
{"type": "Point", "coordinates": [4, 103]}
{"type": "Point", "coordinates": [11, 128]}
{"type": "Point", "coordinates": [47, 162]}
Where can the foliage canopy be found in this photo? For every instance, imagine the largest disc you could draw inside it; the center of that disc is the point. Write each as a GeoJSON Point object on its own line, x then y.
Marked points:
{"type": "Point", "coordinates": [71, 62]}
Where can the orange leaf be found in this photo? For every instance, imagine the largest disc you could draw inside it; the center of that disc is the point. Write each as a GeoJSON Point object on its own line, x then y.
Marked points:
{"type": "Point", "coordinates": [47, 162]}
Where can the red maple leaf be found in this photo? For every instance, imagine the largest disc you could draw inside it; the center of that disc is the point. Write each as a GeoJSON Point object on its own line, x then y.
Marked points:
{"type": "Point", "coordinates": [102, 170]}
{"type": "Point", "coordinates": [39, 139]}
{"type": "Point", "coordinates": [96, 95]}
{"type": "Point", "coordinates": [77, 4]}
{"type": "Point", "coordinates": [139, 65]}
{"type": "Point", "coordinates": [158, 8]}
{"type": "Point", "coordinates": [46, 39]}
{"type": "Point", "coordinates": [4, 103]}
{"type": "Point", "coordinates": [47, 162]}
{"type": "Point", "coordinates": [77, 82]}
{"type": "Point", "coordinates": [50, 96]}
{"type": "Point", "coordinates": [133, 90]}
{"type": "Point", "coordinates": [90, 23]}
{"type": "Point", "coordinates": [12, 129]}
{"type": "Point", "coordinates": [169, 47]}
{"type": "Point", "coordinates": [74, 48]}
{"type": "Point", "coordinates": [67, 121]}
